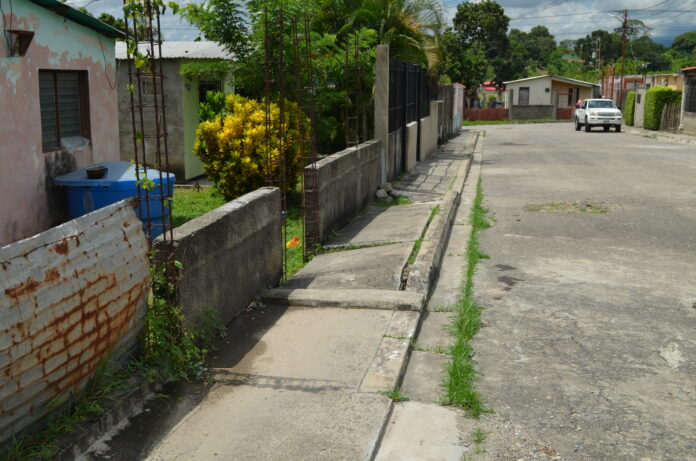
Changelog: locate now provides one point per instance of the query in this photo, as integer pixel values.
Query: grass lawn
(190, 203)
(294, 228)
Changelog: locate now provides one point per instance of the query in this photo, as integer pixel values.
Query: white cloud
(666, 18)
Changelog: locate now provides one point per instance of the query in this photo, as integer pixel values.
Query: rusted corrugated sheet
(67, 297)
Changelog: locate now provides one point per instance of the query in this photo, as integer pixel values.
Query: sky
(565, 19)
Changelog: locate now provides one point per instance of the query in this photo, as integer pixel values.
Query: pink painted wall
(27, 202)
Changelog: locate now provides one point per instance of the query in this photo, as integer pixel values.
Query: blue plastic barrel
(118, 183)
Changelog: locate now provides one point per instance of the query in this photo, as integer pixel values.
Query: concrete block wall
(229, 255)
(532, 112)
(347, 181)
(411, 145)
(68, 296)
(429, 130)
(639, 111)
(689, 123)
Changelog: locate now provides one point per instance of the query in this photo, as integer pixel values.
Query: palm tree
(411, 28)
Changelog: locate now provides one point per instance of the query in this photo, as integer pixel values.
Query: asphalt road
(588, 344)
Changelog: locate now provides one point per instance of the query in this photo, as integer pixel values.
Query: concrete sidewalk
(306, 375)
(678, 138)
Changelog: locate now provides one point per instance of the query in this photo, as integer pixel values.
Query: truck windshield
(601, 105)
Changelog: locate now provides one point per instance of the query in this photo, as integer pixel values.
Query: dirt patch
(583, 207)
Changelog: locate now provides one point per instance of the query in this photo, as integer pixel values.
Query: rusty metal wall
(67, 297)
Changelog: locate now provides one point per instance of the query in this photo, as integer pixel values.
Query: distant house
(637, 82)
(190, 70)
(488, 91)
(572, 58)
(58, 109)
(688, 106)
(546, 96)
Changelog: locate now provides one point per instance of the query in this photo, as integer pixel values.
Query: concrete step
(365, 298)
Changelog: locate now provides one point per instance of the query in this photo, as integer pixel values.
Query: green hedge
(655, 100)
(630, 107)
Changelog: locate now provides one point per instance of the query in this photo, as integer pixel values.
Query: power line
(598, 12)
(561, 15)
(549, 5)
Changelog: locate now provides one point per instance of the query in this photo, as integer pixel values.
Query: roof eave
(79, 17)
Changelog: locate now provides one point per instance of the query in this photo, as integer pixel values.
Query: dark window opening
(64, 101)
(524, 96)
(207, 85)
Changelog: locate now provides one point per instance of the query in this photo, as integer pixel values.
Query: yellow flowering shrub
(234, 150)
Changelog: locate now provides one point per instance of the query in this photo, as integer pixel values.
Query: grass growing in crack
(439, 349)
(396, 202)
(338, 249)
(395, 395)
(419, 242)
(583, 207)
(459, 379)
(479, 436)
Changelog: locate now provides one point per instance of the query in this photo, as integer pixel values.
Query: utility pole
(624, 27)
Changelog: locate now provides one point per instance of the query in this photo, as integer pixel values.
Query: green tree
(478, 35)
(118, 23)
(685, 43)
(221, 21)
(649, 54)
(411, 28)
(608, 45)
(540, 45)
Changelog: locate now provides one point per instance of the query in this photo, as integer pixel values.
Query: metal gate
(671, 114)
(410, 93)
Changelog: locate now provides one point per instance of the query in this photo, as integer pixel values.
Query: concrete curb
(662, 136)
(391, 361)
(75, 444)
(424, 270)
(389, 364)
(347, 298)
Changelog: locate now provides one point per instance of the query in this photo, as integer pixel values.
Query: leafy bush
(214, 105)
(630, 107)
(234, 150)
(655, 101)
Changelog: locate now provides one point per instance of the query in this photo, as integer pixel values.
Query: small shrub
(234, 151)
(214, 105)
(630, 108)
(655, 101)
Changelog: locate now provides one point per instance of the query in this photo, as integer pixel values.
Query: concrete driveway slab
(258, 423)
(403, 223)
(374, 267)
(338, 348)
(422, 432)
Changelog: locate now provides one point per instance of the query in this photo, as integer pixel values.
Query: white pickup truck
(598, 112)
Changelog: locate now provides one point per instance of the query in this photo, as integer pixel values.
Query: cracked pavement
(588, 343)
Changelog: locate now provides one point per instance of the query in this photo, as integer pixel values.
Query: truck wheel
(588, 127)
(577, 124)
(618, 128)
(606, 128)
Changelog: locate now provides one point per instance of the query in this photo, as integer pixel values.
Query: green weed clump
(460, 389)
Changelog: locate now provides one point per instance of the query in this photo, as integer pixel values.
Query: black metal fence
(410, 93)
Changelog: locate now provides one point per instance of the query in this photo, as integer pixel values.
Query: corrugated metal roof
(557, 78)
(175, 50)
